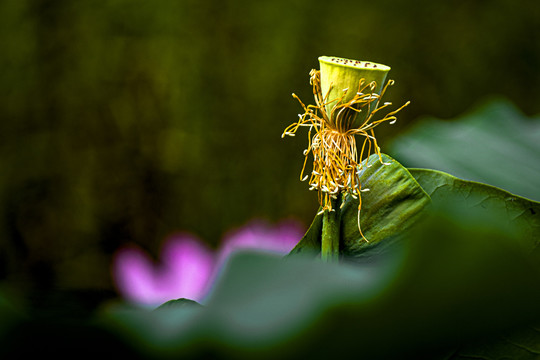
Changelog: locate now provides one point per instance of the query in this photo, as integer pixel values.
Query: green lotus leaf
(494, 144)
(392, 204)
(519, 215)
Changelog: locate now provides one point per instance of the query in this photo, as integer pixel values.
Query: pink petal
(189, 265)
(259, 235)
(184, 272)
(133, 275)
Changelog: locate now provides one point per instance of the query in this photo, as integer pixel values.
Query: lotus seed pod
(341, 79)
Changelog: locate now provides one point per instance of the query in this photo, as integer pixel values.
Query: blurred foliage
(123, 121)
(463, 282)
(441, 290)
(494, 144)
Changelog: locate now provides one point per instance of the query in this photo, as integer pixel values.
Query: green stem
(330, 233)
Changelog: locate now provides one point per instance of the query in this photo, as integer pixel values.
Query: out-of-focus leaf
(393, 203)
(260, 301)
(446, 285)
(463, 274)
(495, 144)
(178, 303)
(517, 214)
(442, 287)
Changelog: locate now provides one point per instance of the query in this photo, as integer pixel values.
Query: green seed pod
(343, 79)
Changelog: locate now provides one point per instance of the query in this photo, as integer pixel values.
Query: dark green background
(126, 121)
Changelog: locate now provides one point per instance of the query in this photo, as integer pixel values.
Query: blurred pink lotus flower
(188, 268)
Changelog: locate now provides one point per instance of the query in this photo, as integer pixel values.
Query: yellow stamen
(336, 164)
